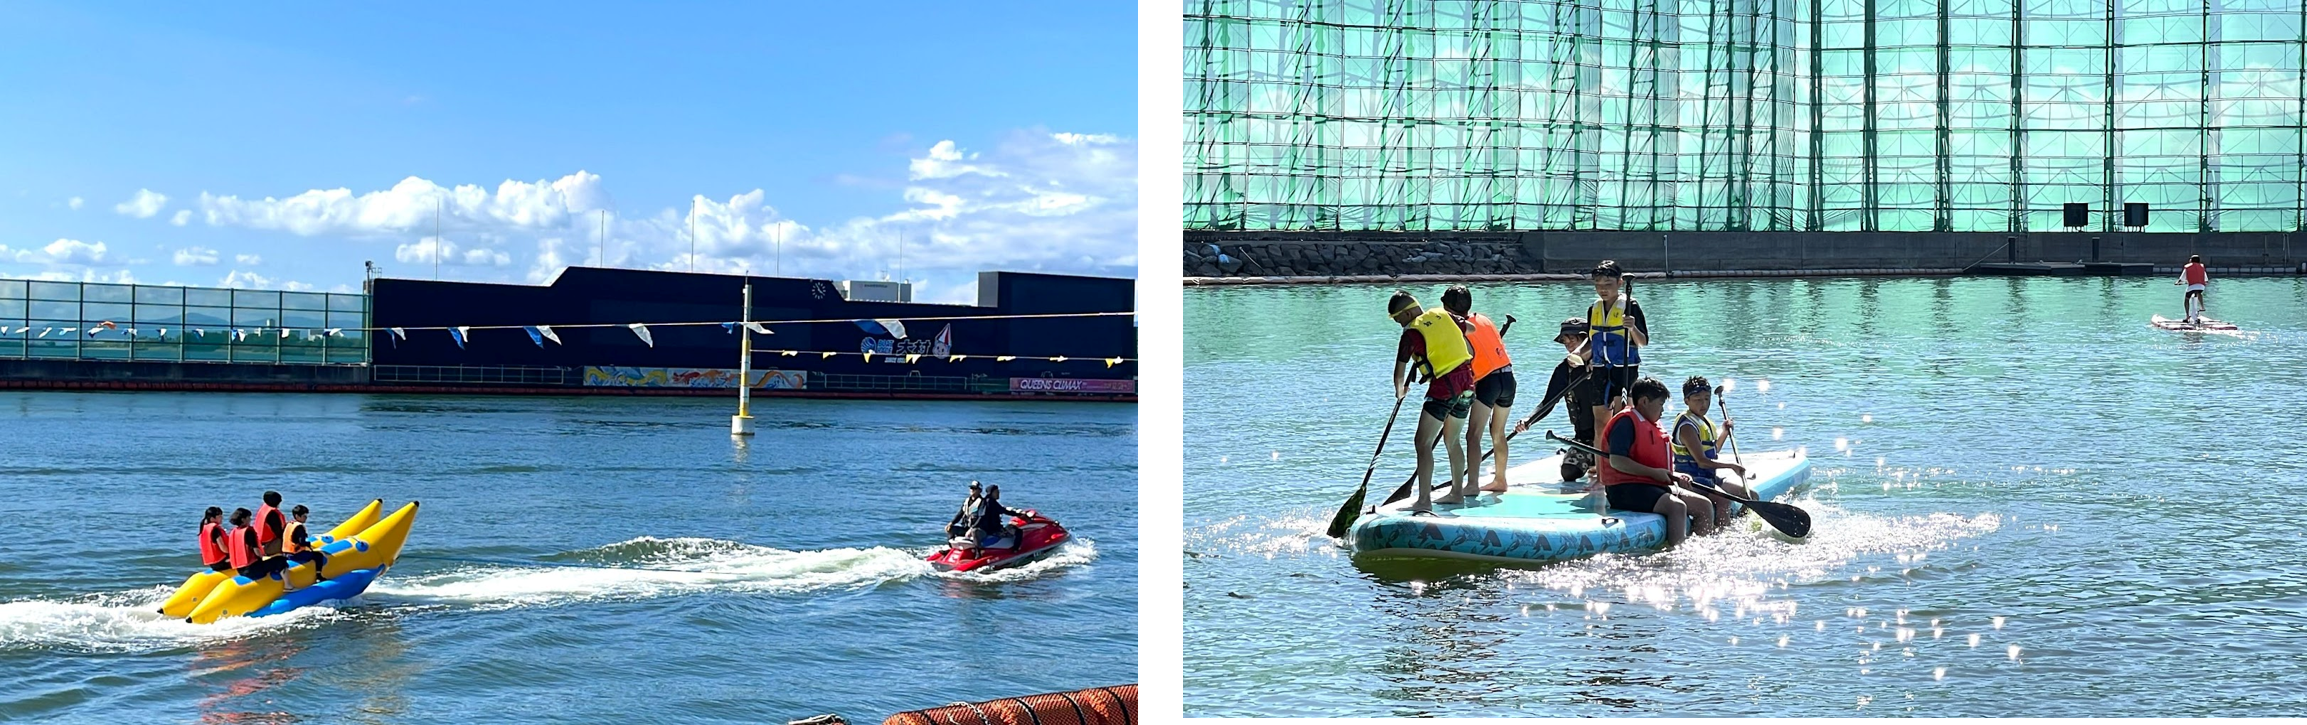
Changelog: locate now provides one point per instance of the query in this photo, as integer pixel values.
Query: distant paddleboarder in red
(2195, 278)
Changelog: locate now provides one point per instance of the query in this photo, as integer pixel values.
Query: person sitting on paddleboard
(1616, 333)
(246, 552)
(992, 518)
(299, 546)
(1697, 443)
(212, 539)
(1493, 384)
(1434, 346)
(961, 519)
(1637, 475)
(2195, 278)
(1566, 386)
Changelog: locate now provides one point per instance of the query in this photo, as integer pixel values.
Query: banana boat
(353, 562)
(199, 585)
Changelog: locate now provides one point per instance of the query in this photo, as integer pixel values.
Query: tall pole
(742, 423)
(693, 248)
(780, 251)
(601, 243)
(436, 240)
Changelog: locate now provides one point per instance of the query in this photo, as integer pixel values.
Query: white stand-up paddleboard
(2207, 325)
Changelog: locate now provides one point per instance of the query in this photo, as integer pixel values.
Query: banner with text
(631, 377)
(1071, 385)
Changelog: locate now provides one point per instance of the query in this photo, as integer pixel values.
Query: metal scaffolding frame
(1729, 115)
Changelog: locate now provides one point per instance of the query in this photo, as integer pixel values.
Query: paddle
(1787, 518)
(1725, 406)
(1353, 508)
(1544, 408)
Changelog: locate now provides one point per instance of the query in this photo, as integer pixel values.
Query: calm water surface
(576, 559)
(2028, 502)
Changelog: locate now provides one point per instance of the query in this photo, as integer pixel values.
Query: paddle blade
(1402, 491)
(1787, 518)
(1344, 519)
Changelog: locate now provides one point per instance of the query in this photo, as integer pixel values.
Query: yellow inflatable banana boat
(199, 585)
(353, 561)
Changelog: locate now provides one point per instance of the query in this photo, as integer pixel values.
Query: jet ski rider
(992, 518)
(963, 517)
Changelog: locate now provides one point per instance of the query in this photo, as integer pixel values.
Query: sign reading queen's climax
(1071, 385)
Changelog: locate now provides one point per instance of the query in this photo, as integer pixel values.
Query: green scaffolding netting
(1700, 115)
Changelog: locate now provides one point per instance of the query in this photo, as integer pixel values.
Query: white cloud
(190, 256)
(945, 161)
(75, 203)
(487, 258)
(120, 276)
(411, 205)
(61, 251)
(248, 260)
(183, 217)
(238, 279)
(549, 260)
(142, 206)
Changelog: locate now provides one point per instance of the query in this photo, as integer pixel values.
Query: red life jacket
(1650, 449)
(266, 535)
(211, 546)
(2196, 275)
(241, 543)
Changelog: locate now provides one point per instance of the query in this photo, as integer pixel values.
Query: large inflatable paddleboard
(1538, 520)
(2207, 325)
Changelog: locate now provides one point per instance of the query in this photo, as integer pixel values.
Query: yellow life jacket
(1685, 462)
(1612, 342)
(1446, 347)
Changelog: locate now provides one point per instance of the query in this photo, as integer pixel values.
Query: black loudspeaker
(2134, 214)
(2078, 215)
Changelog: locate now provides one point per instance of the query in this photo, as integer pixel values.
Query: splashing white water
(127, 621)
(649, 568)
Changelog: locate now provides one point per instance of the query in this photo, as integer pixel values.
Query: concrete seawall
(1345, 256)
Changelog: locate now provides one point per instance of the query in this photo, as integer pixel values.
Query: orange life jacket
(241, 543)
(1650, 449)
(266, 535)
(2196, 275)
(1489, 350)
(288, 538)
(211, 546)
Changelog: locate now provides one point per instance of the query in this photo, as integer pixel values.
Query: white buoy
(741, 424)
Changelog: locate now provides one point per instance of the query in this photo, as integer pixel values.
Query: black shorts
(221, 566)
(1605, 384)
(1496, 389)
(1457, 406)
(1641, 497)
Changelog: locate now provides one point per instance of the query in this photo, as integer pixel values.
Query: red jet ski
(1028, 539)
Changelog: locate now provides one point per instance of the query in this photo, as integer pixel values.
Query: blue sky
(292, 142)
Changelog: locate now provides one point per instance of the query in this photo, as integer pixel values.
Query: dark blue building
(935, 357)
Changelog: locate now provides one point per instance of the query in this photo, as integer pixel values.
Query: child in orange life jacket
(212, 539)
(1698, 444)
(1493, 384)
(245, 552)
(1433, 345)
(299, 545)
(270, 524)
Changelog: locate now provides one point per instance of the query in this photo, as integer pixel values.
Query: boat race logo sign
(898, 344)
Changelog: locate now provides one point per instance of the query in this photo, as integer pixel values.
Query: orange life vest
(211, 548)
(266, 535)
(1650, 449)
(1489, 350)
(242, 545)
(288, 538)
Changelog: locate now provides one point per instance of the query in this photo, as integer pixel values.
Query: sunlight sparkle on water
(1867, 418)
(1762, 386)
(2014, 651)
(1998, 623)
(1974, 639)
(1778, 434)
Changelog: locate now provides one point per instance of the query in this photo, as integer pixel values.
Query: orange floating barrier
(1115, 705)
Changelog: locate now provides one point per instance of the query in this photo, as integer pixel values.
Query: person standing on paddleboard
(1493, 383)
(1616, 333)
(2195, 277)
(1433, 346)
